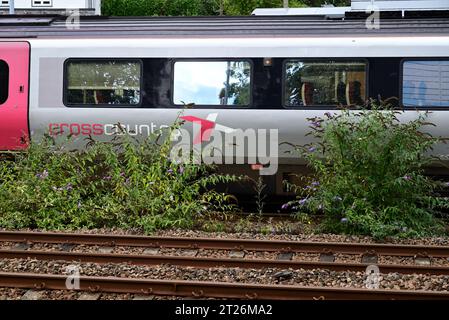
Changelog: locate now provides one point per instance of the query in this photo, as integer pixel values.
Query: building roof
(55, 26)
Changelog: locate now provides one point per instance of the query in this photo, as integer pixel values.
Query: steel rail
(203, 262)
(226, 244)
(200, 289)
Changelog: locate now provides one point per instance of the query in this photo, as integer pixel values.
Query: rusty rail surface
(199, 289)
(202, 262)
(226, 244)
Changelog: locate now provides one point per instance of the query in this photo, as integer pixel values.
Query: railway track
(202, 289)
(226, 244)
(214, 289)
(204, 262)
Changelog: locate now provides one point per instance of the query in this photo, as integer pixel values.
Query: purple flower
(284, 206)
(122, 174)
(170, 171)
(42, 175)
(302, 201)
(107, 178)
(344, 220)
(407, 178)
(69, 187)
(181, 170)
(315, 183)
(312, 149)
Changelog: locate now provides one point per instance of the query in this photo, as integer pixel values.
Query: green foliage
(369, 174)
(160, 7)
(214, 226)
(239, 89)
(245, 7)
(259, 189)
(200, 7)
(123, 183)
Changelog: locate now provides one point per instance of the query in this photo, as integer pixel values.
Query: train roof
(248, 26)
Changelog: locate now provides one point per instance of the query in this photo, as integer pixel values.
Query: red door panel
(14, 70)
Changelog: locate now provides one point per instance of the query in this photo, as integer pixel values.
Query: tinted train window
(4, 81)
(212, 83)
(325, 83)
(103, 82)
(425, 83)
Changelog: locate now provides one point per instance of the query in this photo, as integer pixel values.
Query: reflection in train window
(212, 83)
(103, 82)
(325, 83)
(425, 83)
(4, 81)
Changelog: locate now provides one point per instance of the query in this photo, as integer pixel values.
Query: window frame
(212, 106)
(320, 107)
(401, 84)
(8, 82)
(100, 106)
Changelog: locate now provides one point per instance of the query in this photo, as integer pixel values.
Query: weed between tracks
(369, 174)
(123, 183)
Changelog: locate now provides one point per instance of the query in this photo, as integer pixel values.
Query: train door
(14, 66)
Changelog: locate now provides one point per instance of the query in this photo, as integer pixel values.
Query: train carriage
(249, 73)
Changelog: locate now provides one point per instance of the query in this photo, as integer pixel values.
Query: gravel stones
(300, 236)
(32, 295)
(422, 261)
(89, 296)
(327, 257)
(151, 251)
(106, 250)
(285, 256)
(283, 275)
(237, 254)
(22, 246)
(300, 277)
(370, 258)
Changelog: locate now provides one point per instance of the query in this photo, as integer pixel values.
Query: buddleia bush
(369, 174)
(122, 183)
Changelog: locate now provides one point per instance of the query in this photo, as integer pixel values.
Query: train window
(225, 83)
(103, 82)
(4, 81)
(325, 83)
(425, 83)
